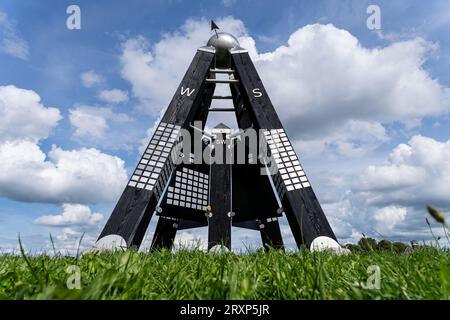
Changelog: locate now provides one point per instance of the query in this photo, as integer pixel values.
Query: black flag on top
(214, 25)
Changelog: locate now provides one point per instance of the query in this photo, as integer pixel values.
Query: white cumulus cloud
(388, 200)
(92, 122)
(27, 173)
(73, 215)
(388, 217)
(416, 173)
(77, 176)
(356, 138)
(330, 79)
(23, 116)
(114, 96)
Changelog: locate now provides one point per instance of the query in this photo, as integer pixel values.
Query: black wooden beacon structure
(218, 194)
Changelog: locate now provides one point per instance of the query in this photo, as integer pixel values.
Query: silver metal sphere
(223, 41)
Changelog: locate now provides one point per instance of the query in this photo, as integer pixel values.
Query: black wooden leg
(219, 223)
(165, 233)
(271, 235)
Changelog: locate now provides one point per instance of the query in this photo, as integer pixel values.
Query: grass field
(187, 274)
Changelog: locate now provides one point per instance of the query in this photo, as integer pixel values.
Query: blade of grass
(27, 261)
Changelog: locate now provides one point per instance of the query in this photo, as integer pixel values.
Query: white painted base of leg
(109, 243)
(219, 249)
(327, 244)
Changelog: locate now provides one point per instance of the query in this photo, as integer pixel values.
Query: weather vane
(214, 27)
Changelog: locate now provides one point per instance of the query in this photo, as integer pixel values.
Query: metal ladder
(231, 79)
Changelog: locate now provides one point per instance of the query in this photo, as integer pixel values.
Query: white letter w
(189, 92)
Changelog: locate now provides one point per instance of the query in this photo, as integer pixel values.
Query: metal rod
(222, 97)
(200, 130)
(221, 81)
(221, 70)
(221, 109)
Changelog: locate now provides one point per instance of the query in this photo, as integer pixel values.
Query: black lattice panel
(154, 162)
(189, 190)
(286, 160)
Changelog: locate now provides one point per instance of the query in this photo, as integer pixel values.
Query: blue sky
(362, 143)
